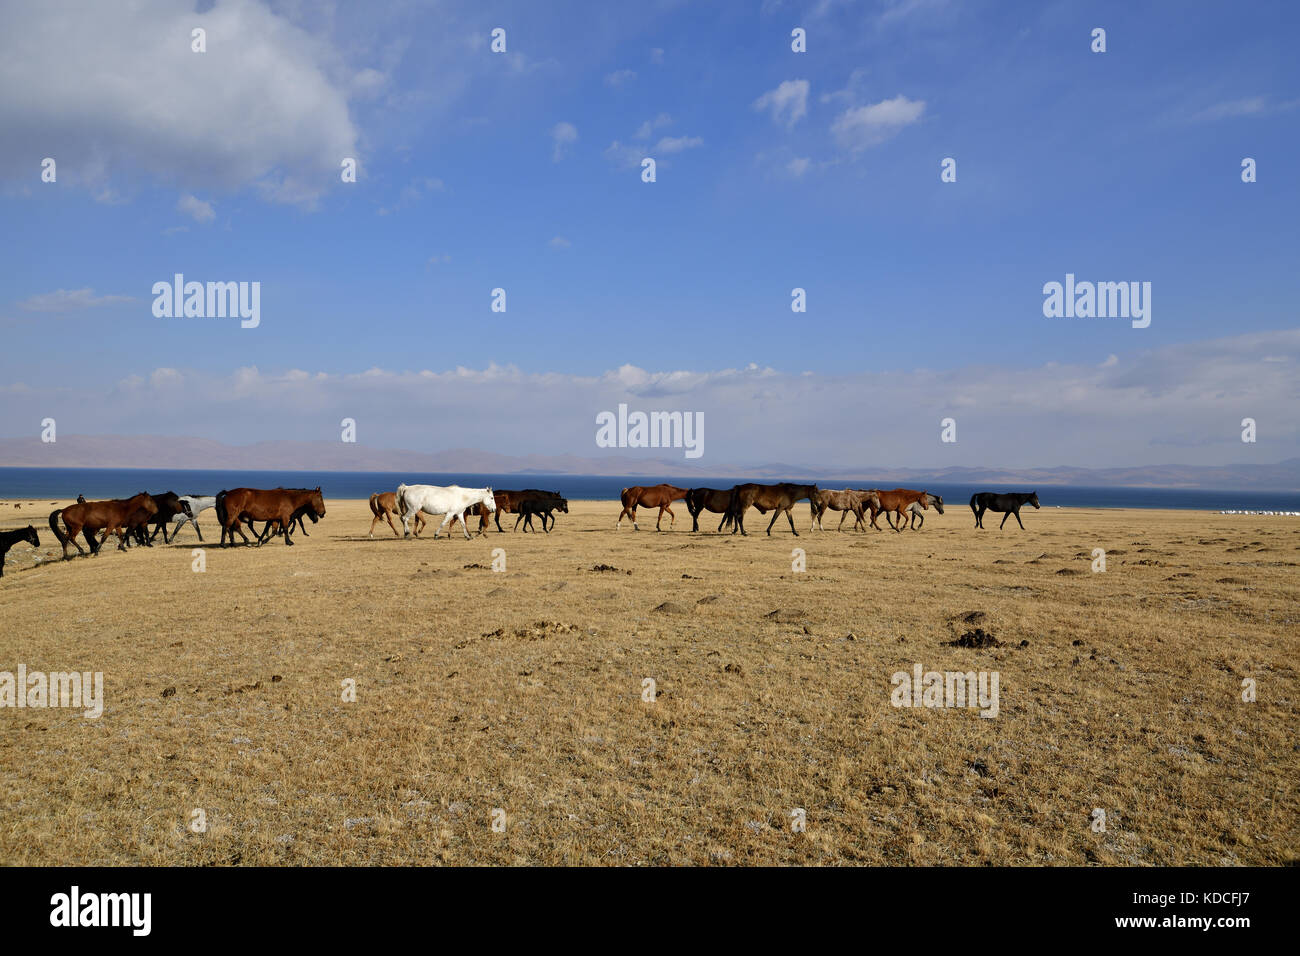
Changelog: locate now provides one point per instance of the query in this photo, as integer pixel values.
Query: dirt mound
(672, 607)
(976, 638)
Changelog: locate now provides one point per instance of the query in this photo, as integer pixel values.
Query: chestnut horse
(91, 517)
(652, 496)
(383, 505)
(775, 498)
(255, 504)
(895, 503)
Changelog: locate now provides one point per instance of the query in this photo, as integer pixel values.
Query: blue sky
(776, 170)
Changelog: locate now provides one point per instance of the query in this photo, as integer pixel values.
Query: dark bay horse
(169, 506)
(1010, 503)
(775, 498)
(256, 504)
(652, 496)
(699, 500)
(90, 517)
(10, 538)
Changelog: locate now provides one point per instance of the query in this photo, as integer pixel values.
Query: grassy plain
(522, 690)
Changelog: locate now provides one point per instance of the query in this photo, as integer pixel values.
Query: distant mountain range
(163, 452)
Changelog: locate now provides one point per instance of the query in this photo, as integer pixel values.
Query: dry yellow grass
(1127, 696)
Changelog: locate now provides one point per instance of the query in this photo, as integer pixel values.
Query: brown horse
(846, 502)
(895, 503)
(384, 505)
(652, 496)
(699, 500)
(133, 528)
(775, 498)
(90, 517)
(255, 504)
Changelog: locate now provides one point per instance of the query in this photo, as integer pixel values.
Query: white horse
(451, 500)
(193, 505)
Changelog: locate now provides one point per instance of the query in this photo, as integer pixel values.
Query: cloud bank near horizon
(1181, 403)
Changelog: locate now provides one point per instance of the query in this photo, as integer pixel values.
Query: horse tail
(220, 506)
(401, 500)
(374, 504)
(973, 499)
(54, 526)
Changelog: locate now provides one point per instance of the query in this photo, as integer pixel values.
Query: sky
(775, 170)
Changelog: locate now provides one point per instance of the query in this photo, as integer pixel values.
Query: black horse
(10, 538)
(539, 503)
(1010, 503)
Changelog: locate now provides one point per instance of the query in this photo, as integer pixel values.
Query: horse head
(1033, 499)
(564, 505)
(937, 501)
(318, 503)
(488, 500)
(30, 535)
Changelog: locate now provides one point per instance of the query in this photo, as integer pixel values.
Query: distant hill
(168, 452)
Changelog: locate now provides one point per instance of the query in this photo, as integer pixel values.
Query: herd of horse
(901, 506)
(142, 517)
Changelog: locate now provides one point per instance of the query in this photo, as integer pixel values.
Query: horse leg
(1018, 521)
(789, 516)
(73, 531)
(1004, 519)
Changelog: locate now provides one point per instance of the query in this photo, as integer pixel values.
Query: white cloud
(798, 166)
(115, 95)
(788, 103)
(414, 191)
(625, 155)
(675, 144)
(645, 130)
(199, 210)
(559, 242)
(65, 300)
(619, 77)
(1255, 106)
(563, 135)
(656, 54)
(862, 127)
